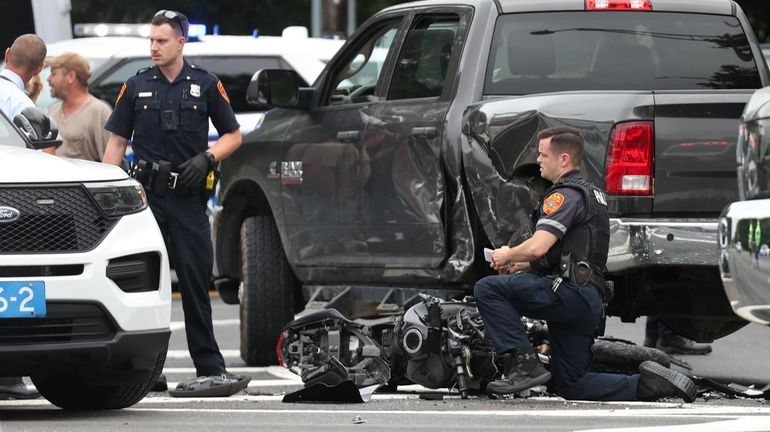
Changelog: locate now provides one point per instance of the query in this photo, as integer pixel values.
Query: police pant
(187, 233)
(572, 314)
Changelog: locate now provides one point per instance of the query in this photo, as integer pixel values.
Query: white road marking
(179, 325)
(184, 354)
(740, 424)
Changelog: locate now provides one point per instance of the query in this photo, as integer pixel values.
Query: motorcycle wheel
(618, 356)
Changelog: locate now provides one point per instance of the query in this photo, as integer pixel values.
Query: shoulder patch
(120, 95)
(553, 203)
(222, 91)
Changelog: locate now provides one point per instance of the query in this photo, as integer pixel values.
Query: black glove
(193, 171)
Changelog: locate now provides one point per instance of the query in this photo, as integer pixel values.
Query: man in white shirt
(23, 60)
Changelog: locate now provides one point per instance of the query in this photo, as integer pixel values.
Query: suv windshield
(545, 52)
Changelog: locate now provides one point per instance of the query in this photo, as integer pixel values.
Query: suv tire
(267, 297)
(75, 393)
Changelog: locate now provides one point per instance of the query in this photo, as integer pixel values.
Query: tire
(619, 356)
(267, 298)
(73, 392)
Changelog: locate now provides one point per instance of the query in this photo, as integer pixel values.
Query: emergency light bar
(619, 5)
(140, 30)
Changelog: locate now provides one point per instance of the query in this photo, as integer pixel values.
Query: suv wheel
(76, 393)
(267, 299)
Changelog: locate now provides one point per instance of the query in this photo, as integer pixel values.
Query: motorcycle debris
(431, 396)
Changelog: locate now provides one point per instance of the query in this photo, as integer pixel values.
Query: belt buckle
(172, 177)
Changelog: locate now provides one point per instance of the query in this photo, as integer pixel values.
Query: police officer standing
(556, 275)
(166, 108)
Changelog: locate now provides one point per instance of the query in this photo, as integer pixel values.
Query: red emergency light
(614, 5)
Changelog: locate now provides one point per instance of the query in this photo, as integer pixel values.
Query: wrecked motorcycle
(436, 343)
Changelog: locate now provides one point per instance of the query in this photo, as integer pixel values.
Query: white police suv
(85, 296)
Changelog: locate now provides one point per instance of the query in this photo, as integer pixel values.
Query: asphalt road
(742, 356)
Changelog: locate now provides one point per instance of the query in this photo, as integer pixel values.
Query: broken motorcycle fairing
(435, 343)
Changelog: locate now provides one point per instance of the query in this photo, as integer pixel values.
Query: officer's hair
(160, 20)
(28, 52)
(565, 140)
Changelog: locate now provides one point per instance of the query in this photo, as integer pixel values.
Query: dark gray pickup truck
(416, 148)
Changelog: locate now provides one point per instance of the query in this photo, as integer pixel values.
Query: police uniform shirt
(13, 98)
(561, 209)
(195, 95)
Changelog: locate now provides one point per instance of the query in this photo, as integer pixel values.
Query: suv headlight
(118, 198)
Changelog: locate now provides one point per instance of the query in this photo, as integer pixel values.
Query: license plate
(22, 299)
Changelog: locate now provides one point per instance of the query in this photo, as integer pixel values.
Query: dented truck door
(403, 201)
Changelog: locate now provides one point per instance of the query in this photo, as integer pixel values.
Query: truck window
(545, 52)
(356, 80)
(422, 63)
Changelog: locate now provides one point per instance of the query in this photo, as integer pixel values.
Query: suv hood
(22, 165)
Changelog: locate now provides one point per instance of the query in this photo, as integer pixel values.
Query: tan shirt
(82, 133)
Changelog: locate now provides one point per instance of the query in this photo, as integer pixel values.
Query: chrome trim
(745, 270)
(636, 243)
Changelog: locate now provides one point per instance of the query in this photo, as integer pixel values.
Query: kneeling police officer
(556, 275)
(166, 108)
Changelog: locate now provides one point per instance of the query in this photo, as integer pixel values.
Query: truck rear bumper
(638, 243)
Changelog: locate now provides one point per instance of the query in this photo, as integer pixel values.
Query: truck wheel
(267, 299)
(78, 391)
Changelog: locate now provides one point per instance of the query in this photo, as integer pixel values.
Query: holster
(581, 273)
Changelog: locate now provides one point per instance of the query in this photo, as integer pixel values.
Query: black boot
(522, 371)
(656, 381)
(671, 343)
(14, 388)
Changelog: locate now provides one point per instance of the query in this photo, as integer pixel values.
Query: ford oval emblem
(8, 214)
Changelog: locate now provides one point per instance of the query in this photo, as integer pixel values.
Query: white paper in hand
(488, 254)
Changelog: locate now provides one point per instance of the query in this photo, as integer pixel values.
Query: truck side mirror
(38, 129)
(274, 88)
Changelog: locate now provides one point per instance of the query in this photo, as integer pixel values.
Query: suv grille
(63, 323)
(52, 219)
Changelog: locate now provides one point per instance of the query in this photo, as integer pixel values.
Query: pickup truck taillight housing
(629, 164)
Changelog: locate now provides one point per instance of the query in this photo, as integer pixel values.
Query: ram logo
(8, 214)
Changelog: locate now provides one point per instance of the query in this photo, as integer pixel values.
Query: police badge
(195, 90)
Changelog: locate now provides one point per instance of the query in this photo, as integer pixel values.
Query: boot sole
(520, 386)
(683, 386)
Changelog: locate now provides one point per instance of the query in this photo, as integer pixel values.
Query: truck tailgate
(695, 138)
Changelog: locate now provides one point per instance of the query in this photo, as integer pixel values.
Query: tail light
(279, 351)
(628, 169)
(618, 5)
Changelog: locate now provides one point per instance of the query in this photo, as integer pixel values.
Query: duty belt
(156, 177)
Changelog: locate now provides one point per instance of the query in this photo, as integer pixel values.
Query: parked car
(745, 269)
(85, 295)
(416, 148)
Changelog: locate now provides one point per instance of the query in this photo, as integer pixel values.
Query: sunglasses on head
(173, 16)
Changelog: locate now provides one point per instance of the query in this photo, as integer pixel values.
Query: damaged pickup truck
(416, 148)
